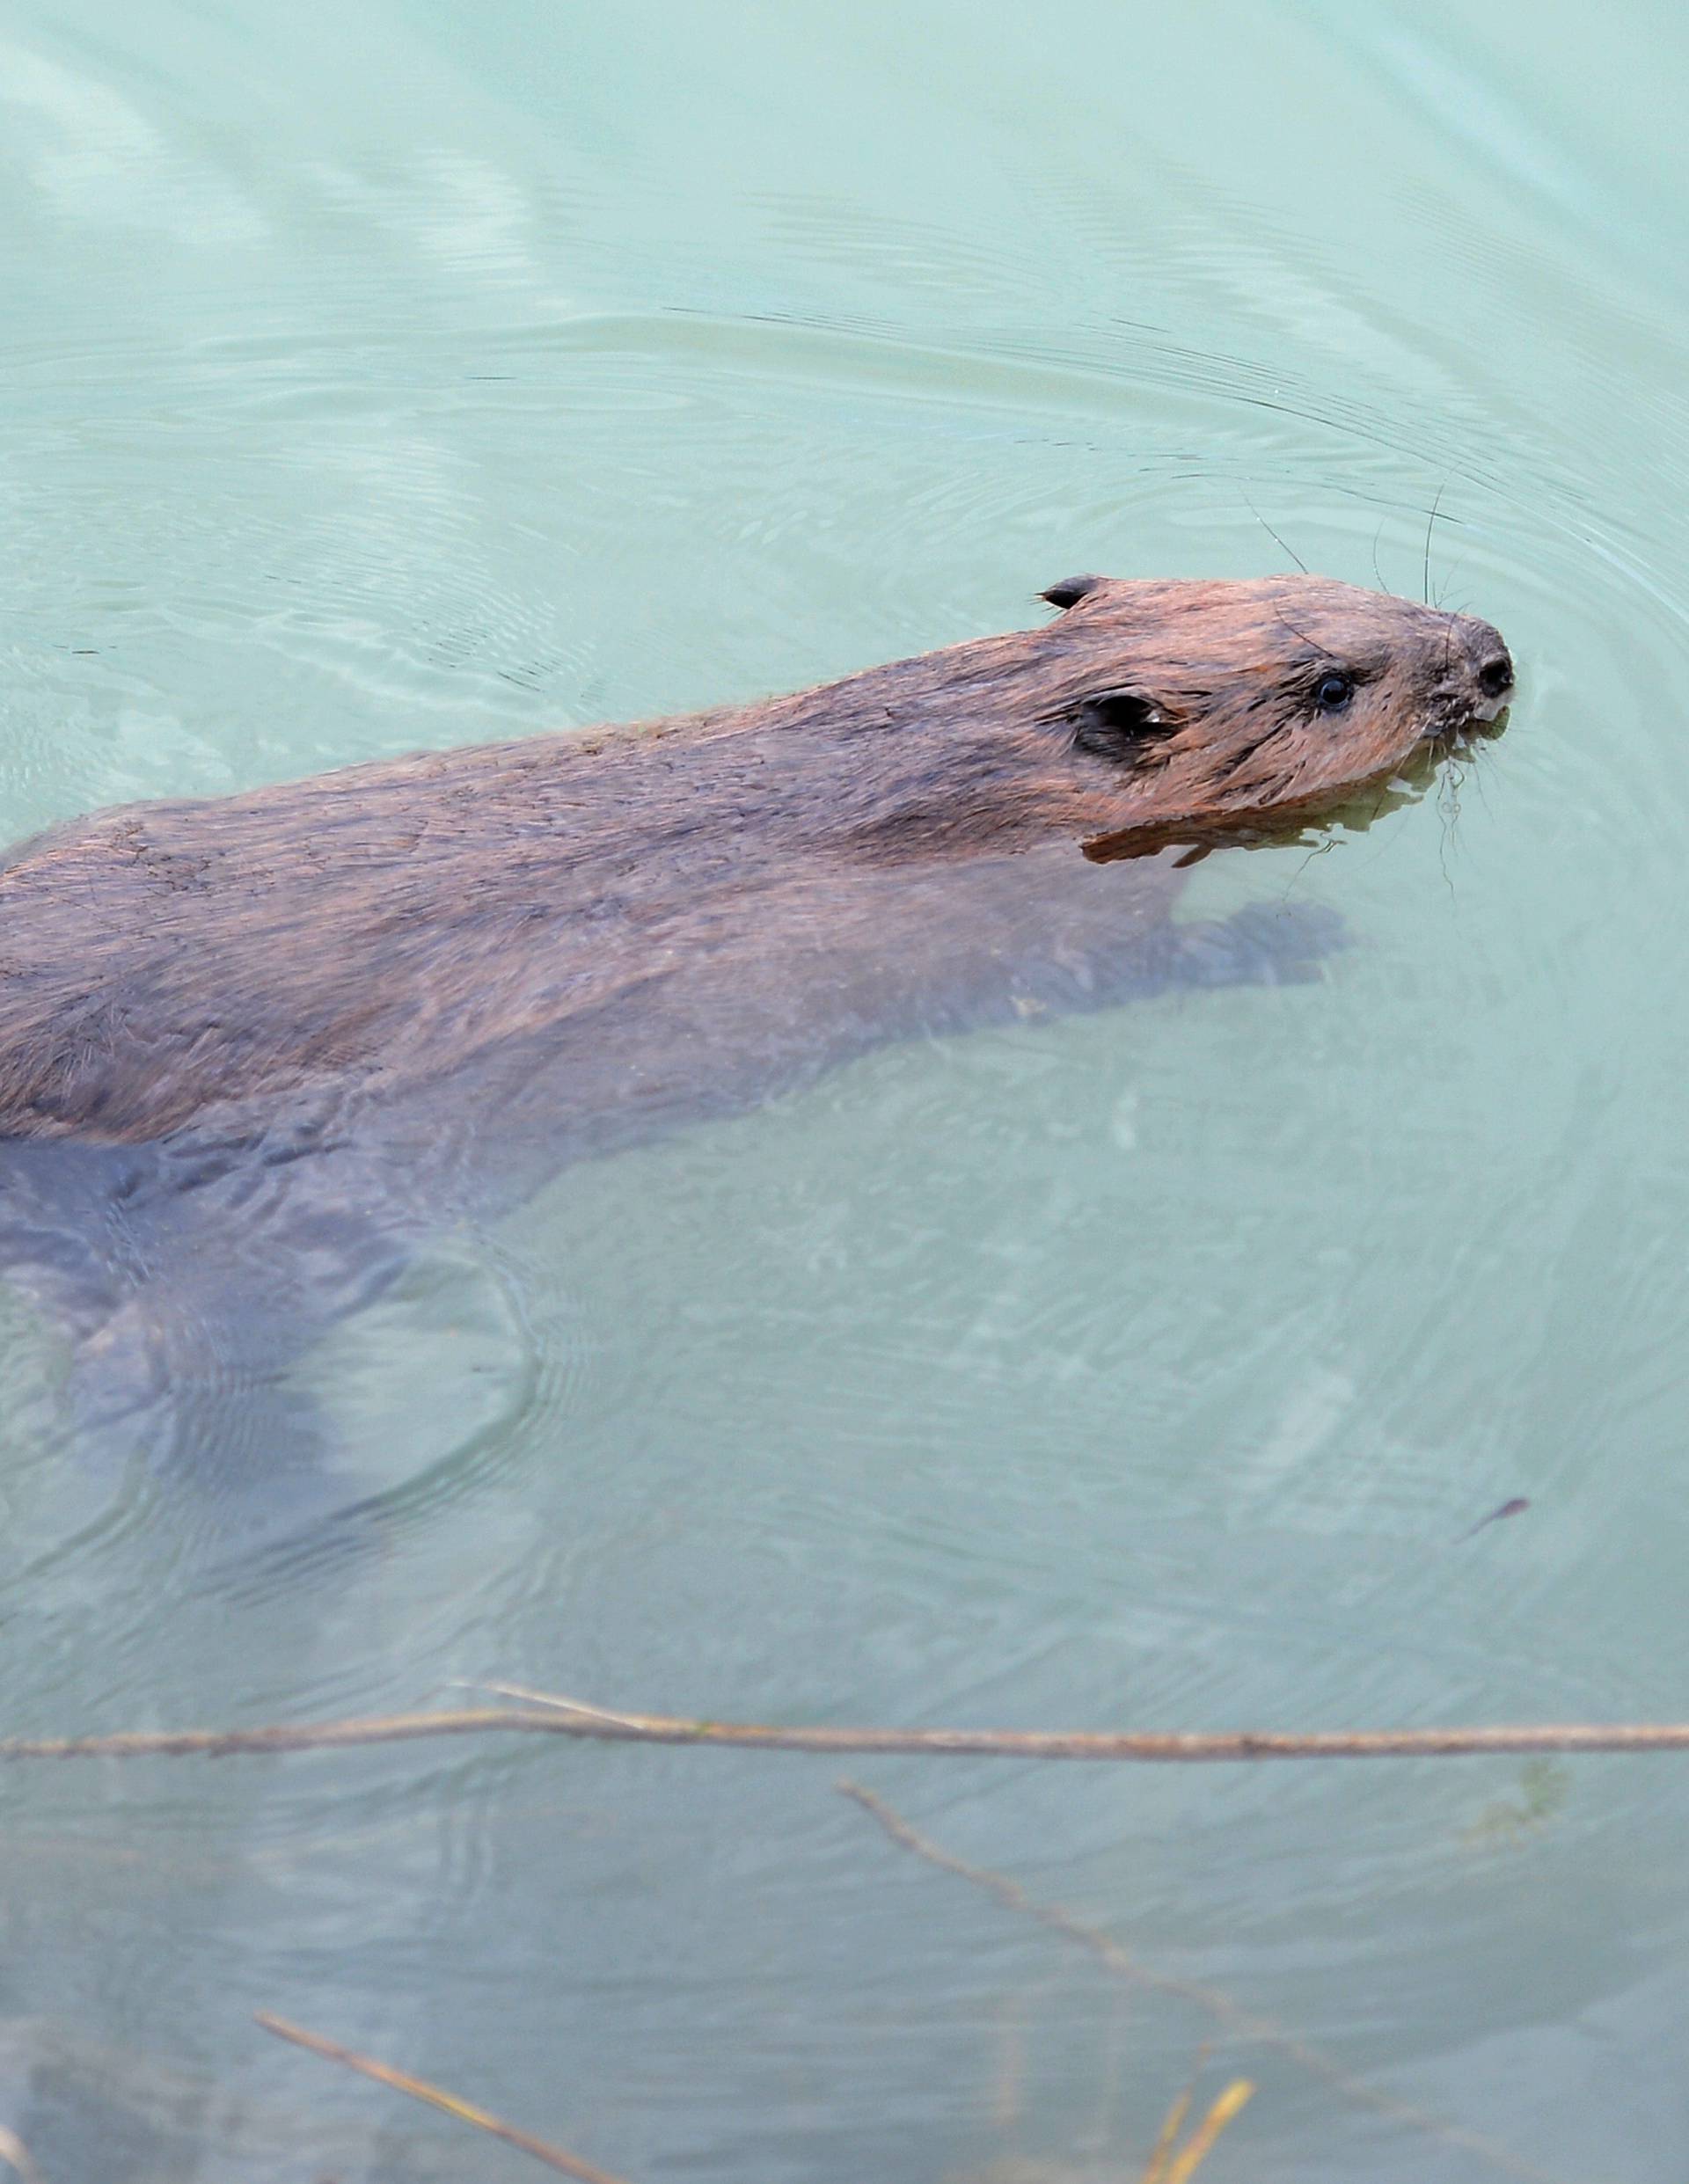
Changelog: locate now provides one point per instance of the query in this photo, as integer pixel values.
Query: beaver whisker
(1429, 526)
(1272, 534)
(1313, 642)
(1450, 782)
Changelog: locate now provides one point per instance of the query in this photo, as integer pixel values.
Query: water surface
(403, 376)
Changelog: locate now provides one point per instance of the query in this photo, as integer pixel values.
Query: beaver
(439, 977)
(822, 861)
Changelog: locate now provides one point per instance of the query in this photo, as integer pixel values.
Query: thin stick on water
(572, 1718)
(556, 2158)
(567, 1706)
(1245, 2024)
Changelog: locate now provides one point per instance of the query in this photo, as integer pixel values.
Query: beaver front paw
(1264, 943)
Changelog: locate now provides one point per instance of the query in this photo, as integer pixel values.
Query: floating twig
(1516, 1506)
(1246, 2025)
(565, 1706)
(419, 2088)
(546, 1716)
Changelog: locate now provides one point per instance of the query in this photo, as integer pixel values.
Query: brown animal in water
(441, 977)
(374, 931)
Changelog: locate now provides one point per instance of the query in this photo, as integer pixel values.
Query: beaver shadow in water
(252, 1050)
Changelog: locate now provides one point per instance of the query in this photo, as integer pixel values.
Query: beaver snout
(1489, 667)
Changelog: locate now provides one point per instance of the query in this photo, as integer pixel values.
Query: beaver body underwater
(483, 962)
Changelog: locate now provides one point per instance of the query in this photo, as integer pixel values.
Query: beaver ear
(1071, 589)
(1117, 724)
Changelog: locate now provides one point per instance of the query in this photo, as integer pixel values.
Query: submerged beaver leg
(188, 1307)
(1264, 943)
(163, 1384)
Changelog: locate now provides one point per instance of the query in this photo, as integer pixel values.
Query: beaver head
(1198, 708)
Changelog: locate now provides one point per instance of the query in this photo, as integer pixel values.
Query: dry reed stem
(550, 1716)
(1246, 2025)
(1171, 2124)
(554, 2156)
(15, 2154)
(1199, 2144)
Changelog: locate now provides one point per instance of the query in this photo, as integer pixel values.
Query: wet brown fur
(389, 926)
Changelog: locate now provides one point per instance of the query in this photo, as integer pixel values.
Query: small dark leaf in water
(1507, 1508)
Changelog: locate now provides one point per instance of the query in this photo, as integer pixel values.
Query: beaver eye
(1332, 692)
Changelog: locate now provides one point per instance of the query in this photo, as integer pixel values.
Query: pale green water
(398, 375)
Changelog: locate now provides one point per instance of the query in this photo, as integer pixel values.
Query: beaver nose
(1490, 664)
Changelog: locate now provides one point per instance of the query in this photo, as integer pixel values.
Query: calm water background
(398, 375)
